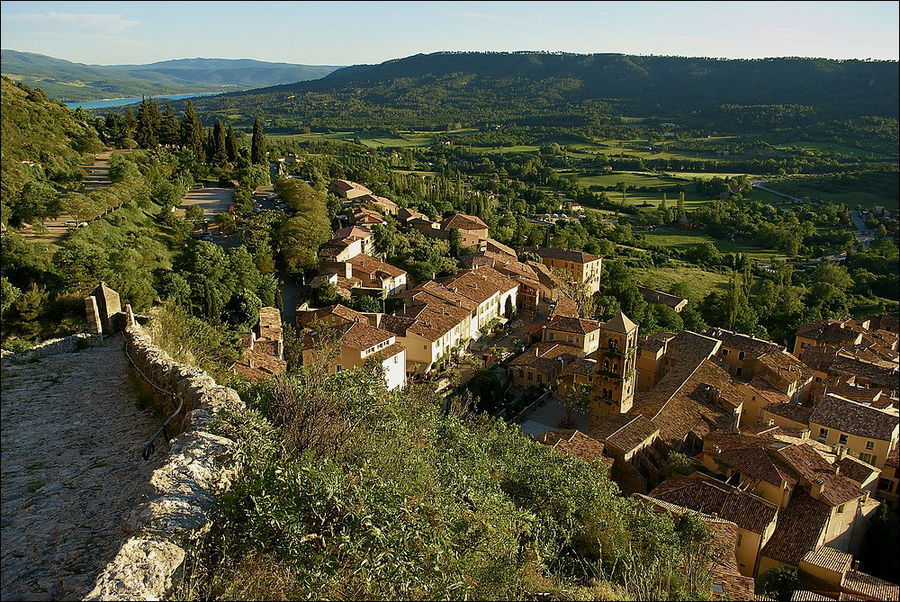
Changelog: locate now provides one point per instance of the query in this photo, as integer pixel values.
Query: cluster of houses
(785, 456)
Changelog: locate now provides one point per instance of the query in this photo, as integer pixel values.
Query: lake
(118, 102)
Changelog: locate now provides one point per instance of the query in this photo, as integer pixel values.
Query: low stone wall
(200, 464)
(52, 347)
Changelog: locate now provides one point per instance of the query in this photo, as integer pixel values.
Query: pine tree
(257, 145)
(144, 132)
(168, 128)
(679, 208)
(231, 148)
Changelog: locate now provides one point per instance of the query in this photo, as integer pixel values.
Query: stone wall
(200, 464)
(52, 347)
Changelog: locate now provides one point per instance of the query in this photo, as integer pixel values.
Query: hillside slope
(66, 80)
(43, 141)
(568, 89)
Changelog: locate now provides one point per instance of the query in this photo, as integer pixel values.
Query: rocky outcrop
(201, 463)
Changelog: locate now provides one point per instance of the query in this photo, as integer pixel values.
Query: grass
(685, 239)
(700, 281)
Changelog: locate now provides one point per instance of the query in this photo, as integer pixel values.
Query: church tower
(616, 373)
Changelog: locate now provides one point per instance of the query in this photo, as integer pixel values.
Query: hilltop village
(786, 454)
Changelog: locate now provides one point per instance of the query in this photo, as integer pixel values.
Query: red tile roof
(709, 496)
(573, 325)
(872, 588)
(854, 418)
(565, 254)
(799, 529)
(574, 442)
(463, 222)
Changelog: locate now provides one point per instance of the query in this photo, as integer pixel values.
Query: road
(762, 186)
(97, 177)
(863, 234)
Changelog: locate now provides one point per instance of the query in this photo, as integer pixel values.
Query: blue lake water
(118, 102)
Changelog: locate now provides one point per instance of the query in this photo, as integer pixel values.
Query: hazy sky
(341, 33)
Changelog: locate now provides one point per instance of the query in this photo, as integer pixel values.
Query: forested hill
(66, 80)
(567, 89)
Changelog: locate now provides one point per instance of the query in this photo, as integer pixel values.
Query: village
(786, 454)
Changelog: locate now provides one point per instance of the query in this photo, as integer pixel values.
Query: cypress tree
(231, 148)
(168, 128)
(257, 145)
(192, 132)
(220, 155)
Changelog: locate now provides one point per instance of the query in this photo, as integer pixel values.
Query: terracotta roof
(799, 529)
(498, 247)
(656, 341)
(791, 411)
(620, 323)
(750, 345)
(433, 292)
(406, 214)
(583, 365)
(892, 458)
(463, 222)
(625, 432)
(362, 336)
(352, 233)
(574, 442)
(545, 276)
(654, 296)
(856, 470)
(378, 200)
(479, 284)
(709, 496)
(829, 559)
(547, 357)
(814, 469)
(347, 185)
(805, 595)
(854, 418)
(430, 319)
(831, 331)
(565, 254)
(323, 315)
(702, 403)
(857, 582)
(389, 351)
(371, 266)
(751, 456)
(263, 365)
(573, 325)
(565, 306)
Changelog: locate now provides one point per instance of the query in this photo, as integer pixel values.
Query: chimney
(250, 362)
(837, 468)
(816, 489)
(841, 452)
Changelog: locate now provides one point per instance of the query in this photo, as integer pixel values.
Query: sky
(343, 33)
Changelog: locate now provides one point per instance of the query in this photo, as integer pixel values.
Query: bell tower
(616, 375)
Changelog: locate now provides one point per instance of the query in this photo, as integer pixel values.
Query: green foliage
(352, 492)
(779, 583)
(43, 144)
(193, 341)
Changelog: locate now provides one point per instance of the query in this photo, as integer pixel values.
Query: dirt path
(71, 468)
(97, 177)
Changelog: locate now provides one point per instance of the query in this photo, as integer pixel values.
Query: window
(724, 352)
(530, 376)
(739, 371)
(818, 379)
(741, 355)
(868, 458)
(338, 368)
(740, 538)
(842, 439)
(870, 445)
(840, 508)
(823, 433)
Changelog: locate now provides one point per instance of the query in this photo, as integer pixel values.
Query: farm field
(663, 278)
(685, 239)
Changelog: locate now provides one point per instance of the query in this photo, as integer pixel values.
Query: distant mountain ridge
(430, 90)
(65, 80)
